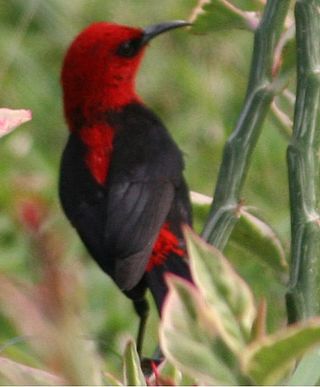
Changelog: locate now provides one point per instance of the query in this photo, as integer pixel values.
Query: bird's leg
(147, 364)
(142, 309)
(158, 356)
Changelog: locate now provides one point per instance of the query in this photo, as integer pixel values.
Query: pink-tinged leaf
(55, 332)
(190, 336)
(19, 374)
(10, 119)
(225, 292)
(268, 360)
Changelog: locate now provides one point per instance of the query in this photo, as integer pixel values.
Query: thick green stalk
(239, 147)
(303, 298)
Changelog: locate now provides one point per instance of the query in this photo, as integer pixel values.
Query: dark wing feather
(132, 225)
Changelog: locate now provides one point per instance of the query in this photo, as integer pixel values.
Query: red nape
(98, 139)
(166, 243)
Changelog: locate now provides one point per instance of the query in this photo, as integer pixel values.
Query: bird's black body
(121, 183)
(119, 221)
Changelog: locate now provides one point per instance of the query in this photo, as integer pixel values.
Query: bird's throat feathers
(82, 109)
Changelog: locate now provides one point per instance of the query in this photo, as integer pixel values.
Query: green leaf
(223, 289)
(133, 375)
(220, 15)
(258, 238)
(110, 380)
(15, 373)
(307, 372)
(189, 335)
(250, 233)
(267, 361)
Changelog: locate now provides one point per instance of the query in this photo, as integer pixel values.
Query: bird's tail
(175, 264)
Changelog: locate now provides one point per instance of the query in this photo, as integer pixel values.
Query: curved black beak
(157, 29)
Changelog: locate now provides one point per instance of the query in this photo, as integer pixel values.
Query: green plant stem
(239, 147)
(303, 297)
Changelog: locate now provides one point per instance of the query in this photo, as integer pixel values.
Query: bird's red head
(100, 68)
(95, 76)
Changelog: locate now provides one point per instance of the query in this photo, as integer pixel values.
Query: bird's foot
(150, 366)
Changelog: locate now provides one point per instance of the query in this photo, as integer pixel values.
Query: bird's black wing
(135, 212)
(145, 171)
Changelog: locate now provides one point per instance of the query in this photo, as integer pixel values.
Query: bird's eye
(129, 48)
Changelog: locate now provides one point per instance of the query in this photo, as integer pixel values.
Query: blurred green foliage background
(195, 83)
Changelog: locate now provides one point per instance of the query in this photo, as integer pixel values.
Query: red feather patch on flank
(99, 142)
(166, 243)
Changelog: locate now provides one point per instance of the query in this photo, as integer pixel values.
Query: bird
(121, 182)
